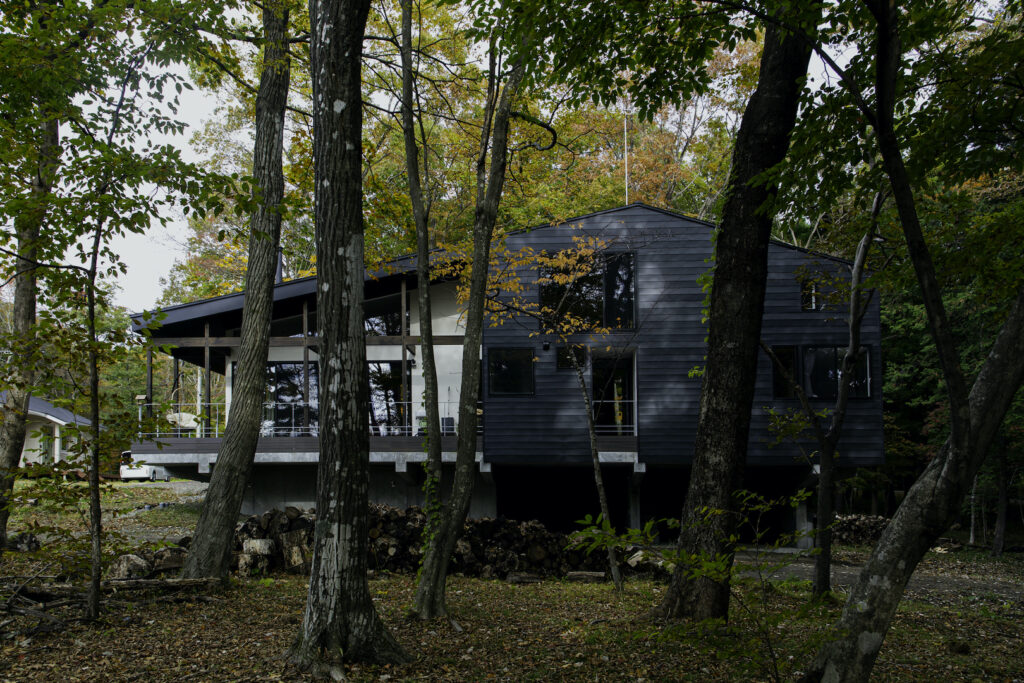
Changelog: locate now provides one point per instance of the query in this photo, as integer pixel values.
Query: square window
(510, 372)
(601, 294)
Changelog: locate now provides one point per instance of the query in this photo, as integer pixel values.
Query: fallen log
(158, 583)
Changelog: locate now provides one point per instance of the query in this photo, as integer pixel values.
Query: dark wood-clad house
(533, 447)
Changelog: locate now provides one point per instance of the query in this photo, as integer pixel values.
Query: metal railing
(409, 418)
(290, 420)
(615, 418)
(298, 419)
(194, 420)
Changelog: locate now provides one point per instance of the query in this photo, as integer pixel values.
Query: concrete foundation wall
(274, 486)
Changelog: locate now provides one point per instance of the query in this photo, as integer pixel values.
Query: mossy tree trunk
(737, 302)
(210, 551)
(23, 344)
(430, 590)
(340, 621)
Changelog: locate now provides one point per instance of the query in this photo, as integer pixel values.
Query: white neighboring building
(48, 439)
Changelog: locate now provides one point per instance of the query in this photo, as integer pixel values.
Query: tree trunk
(928, 509)
(935, 498)
(595, 457)
(829, 444)
(430, 591)
(421, 215)
(210, 552)
(999, 537)
(974, 509)
(92, 601)
(737, 301)
(23, 343)
(340, 621)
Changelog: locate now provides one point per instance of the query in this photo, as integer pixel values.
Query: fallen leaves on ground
(545, 631)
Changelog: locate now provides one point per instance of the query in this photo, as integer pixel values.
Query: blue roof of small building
(41, 406)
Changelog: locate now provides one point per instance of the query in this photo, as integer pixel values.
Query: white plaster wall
(31, 453)
(448, 320)
(448, 357)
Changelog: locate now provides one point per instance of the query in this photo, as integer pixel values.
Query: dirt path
(936, 579)
(181, 487)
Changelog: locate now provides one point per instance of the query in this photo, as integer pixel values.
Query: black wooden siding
(549, 428)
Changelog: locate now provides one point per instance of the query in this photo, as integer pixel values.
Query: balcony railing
(615, 418)
(299, 419)
(195, 420)
(409, 418)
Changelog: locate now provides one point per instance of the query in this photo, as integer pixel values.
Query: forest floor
(962, 620)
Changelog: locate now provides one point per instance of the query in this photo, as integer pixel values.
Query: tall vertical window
(619, 291)
(808, 295)
(388, 414)
(288, 411)
(614, 405)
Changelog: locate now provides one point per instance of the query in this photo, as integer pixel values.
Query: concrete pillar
(57, 446)
(804, 527)
(639, 469)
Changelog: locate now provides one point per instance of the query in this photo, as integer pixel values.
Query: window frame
(601, 272)
(491, 351)
(811, 297)
(800, 371)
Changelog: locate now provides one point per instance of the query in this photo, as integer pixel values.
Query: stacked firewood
(858, 529)
(283, 540)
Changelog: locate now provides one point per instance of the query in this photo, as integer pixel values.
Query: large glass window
(576, 295)
(823, 370)
(818, 369)
(388, 414)
(288, 411)
(383, 324)
(604, 296)
(614, 406)
(383, 317)
(619, 291)
(510, 372)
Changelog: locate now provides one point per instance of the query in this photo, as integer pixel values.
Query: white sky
(150, 256)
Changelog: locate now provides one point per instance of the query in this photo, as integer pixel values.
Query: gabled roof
(40, 407)
(673, 214)
(184, 319)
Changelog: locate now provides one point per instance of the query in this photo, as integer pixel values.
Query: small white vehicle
(134, 470)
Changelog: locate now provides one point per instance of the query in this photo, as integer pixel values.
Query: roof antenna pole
(625, 143)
